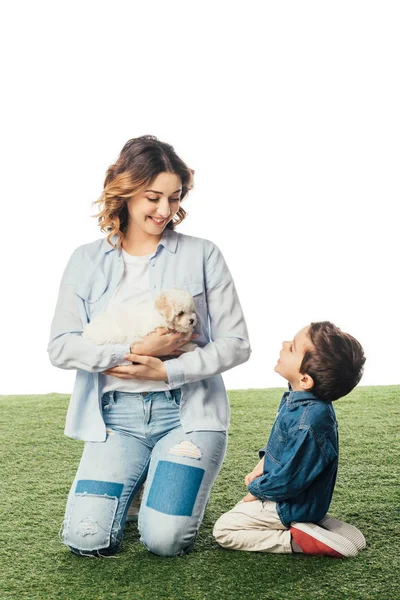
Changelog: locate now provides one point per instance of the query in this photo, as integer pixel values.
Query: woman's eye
(157, 199)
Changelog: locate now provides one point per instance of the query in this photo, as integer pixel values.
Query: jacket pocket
(196, 290)
(276, 445)
(91, 292)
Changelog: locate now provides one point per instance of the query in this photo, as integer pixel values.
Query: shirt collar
(169, 241)
(106, 245)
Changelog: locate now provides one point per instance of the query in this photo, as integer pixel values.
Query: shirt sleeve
(303, 460)
(229, 344)
(67, 349)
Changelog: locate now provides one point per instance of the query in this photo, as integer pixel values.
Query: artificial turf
(38, 465)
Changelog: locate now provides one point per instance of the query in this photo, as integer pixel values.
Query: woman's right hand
(162, 342)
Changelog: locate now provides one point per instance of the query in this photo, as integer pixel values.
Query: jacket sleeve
(67, 349)
(303, 460)
(229, 344)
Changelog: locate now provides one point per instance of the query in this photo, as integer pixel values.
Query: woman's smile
(157, 221)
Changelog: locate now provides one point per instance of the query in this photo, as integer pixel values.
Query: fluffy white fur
(127, 324)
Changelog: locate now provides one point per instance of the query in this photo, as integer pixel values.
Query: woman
(143, 418)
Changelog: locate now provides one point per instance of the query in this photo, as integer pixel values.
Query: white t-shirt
(134, 287)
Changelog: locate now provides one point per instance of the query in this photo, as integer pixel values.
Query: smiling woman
(138, 177)
(144, 418)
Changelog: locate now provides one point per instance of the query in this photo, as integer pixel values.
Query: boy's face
(290, 359)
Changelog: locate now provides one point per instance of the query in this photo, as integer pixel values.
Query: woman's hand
(161, 342)
(145, 367)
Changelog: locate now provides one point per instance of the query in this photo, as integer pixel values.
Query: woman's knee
(97, 553)
(90, 525)
(92, 539)
(168, 540)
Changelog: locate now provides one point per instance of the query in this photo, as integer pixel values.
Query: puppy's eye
(181, 313)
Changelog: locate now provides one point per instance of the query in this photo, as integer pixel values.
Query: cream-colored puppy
(127, 324)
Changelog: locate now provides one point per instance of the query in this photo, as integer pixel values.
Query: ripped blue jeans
(145, 441)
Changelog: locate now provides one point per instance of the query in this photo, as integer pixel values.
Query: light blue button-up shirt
(180, 261)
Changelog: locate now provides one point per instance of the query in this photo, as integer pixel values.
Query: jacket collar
(169, 241)
(292, 396)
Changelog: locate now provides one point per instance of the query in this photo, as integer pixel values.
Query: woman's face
(152, 209)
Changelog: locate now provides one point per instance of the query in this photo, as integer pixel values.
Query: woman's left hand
(147, 367)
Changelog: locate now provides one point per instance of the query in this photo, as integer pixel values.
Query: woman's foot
(309, 538)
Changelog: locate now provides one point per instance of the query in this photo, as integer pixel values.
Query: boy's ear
(306, 382)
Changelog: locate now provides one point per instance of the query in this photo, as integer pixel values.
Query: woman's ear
(306, 382)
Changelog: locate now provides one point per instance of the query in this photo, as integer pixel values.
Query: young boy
(290, 489)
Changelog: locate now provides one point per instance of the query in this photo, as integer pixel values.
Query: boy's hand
(250, 476)
(256, 472)
(249, 498)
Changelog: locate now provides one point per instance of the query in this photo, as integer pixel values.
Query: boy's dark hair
(335, 363)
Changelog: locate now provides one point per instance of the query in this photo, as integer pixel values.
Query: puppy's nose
(191, 321)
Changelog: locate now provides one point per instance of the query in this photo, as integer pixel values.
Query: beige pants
(253, 526)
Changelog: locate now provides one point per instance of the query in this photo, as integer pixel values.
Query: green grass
(38, 464)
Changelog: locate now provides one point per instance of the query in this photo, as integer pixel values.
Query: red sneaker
(313, 539)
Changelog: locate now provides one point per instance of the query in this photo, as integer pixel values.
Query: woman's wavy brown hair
(139, 163)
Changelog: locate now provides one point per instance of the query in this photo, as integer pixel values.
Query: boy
(290, 489)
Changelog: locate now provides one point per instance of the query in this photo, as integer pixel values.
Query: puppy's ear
(165, 306)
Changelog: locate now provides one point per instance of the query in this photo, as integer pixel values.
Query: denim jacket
(180, 261)
(301, 459)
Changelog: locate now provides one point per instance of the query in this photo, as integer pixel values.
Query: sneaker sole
(331, 539)
(344, 529)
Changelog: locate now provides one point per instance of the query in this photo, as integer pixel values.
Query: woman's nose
(163, 209)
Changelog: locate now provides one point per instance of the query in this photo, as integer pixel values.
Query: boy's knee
(224, 528)
(220, 529)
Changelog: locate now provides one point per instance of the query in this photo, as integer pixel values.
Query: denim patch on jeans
(186, 482)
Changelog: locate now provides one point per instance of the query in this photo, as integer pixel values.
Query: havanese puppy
(127, 324)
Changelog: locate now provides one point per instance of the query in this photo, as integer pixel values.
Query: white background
(287, 111)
